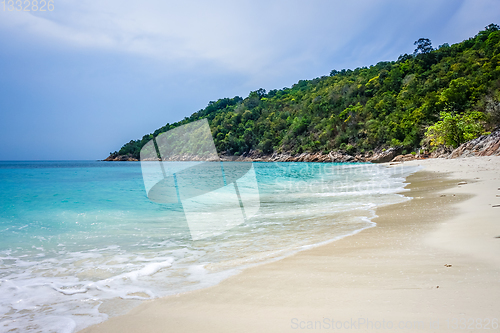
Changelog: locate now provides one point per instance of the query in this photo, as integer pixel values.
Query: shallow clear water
(81, 240)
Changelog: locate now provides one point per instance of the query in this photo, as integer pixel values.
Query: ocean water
(81, 241)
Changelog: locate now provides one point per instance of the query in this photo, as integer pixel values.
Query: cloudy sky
(79, 81)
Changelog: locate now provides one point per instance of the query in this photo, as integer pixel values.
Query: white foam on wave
(70, 302)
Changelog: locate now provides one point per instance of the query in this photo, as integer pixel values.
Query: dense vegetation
(441, 96)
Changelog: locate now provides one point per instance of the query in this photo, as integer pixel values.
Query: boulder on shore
(404, 158)
(387, 155)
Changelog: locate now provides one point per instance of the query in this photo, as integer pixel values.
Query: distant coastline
(486, 145)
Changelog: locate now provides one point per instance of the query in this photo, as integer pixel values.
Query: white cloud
(241, 36)
(255, 38)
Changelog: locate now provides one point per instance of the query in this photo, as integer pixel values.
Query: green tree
(424, 46)
(454, 129)
(457, 96)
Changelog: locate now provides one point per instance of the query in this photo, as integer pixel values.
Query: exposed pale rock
(386, 156)
(485, 145)
(404, 158)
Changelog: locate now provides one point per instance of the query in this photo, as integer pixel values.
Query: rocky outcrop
(255, 156)
(485, 145)
(127, 157)
(441, 152)
(187, 157)
(331, 157)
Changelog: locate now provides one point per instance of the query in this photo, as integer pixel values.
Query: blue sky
(81, 80)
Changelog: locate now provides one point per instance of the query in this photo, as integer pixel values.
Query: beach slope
(431, 264)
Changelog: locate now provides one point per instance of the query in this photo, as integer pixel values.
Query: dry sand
(391, 277)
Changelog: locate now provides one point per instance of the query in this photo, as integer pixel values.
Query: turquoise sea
(81, 241)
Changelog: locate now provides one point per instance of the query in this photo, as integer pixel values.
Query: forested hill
(455, 88)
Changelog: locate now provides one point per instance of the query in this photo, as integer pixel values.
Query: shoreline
(381, 156)
(390, 272)
(484, 145)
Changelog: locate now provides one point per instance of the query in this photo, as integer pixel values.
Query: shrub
(455, 129)
(395, 143)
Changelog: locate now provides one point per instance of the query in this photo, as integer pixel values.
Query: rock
(441, 152)
(399, 158)
(485, 145)
(333, 156)
(338, 157)
(462, 183)
(447, 265)
(127, 157)
(386, 156)
(404, 158)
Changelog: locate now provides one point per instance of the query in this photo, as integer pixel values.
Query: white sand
(387, 275)
(477, 220)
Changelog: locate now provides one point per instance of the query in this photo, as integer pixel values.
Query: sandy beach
(431, 264)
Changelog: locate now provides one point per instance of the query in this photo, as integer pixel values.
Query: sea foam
(80, 241)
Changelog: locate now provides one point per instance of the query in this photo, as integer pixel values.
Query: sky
(78, 82)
